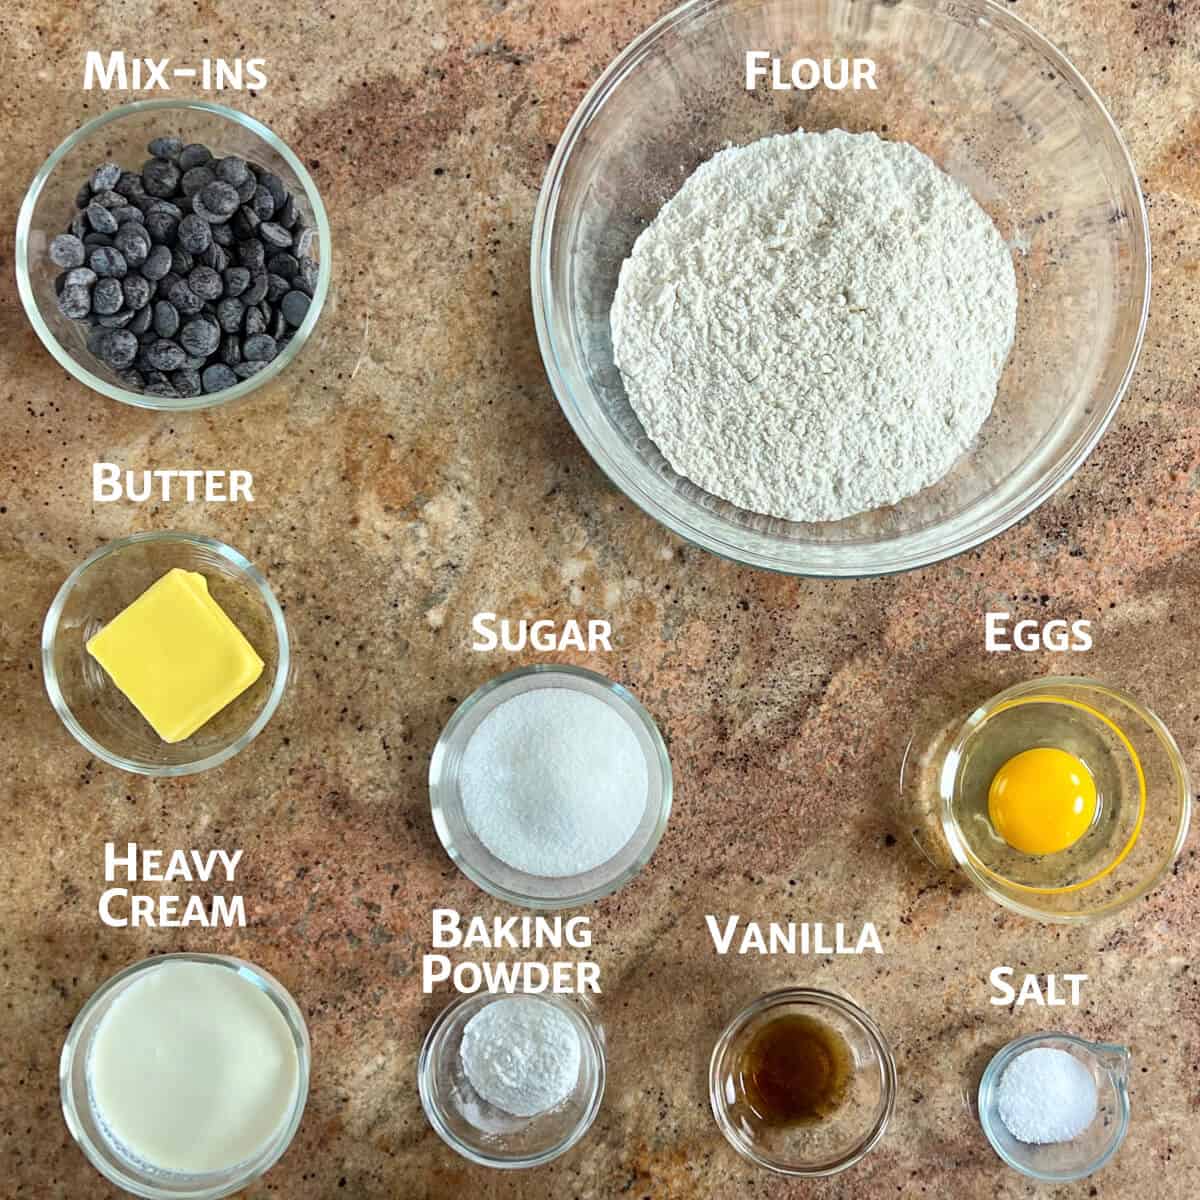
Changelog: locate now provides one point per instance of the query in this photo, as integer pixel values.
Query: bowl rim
(440, 779)
(253, 1168)
(166, 770)
(848, 563)
(948, 778)
(580, 1009)
(74, 366)
(989, 1082)
(814, 998)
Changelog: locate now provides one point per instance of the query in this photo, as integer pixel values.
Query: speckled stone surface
(413, 468)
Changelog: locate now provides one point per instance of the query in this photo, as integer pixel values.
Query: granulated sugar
(521, 1054)
(553, 782)
(815, 324)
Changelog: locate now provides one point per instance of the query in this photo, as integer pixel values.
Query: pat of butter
(176, 655)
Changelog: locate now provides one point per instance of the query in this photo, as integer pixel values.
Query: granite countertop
(413, 468)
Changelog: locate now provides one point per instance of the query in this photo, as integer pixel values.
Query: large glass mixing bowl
(993, 104)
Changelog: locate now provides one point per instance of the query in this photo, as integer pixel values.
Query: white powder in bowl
(815, 324)
(553, 782)
(521, 1054)
(1046, 1096)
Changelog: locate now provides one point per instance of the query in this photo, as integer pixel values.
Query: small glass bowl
(484, 868)
(479, 1131)
(825, 1147)
(997, 107)
(85, 1126)
(121, 135)
(1062, 1161)
(1144, 796)
(90, 704)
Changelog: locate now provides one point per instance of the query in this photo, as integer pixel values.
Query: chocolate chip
(117, 320)
(118, 348)
(166, 319)
(287, 214)
(215, 257)
(184, 299)
(260, 347)
(165, 147)
(163, 226)
(253, 322)
(284, 265)
(75, 302)
(206, 283)
(194, 155)
(200, 337)
(195, 234)
(217, 201)
(165, 355)
(232, 170)
(217, 378)
(295, 307)
(158, 263)
(67, 251)
(160, 177)
(137, 291)
(134, 243)
(229, 314)
(251, 254)
(105, 176)
(108, 261)
(264, 203)
(187, 381)
(141, 320)
(275, 235)
(257, 289)
(237, 280)
(196, 179)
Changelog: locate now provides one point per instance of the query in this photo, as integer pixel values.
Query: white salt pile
(1046, 1096)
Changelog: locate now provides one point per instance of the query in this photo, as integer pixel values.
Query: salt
(521, 1054)
(554, 782)
(1046, 1096)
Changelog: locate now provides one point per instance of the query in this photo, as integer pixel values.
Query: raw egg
(1042, 801)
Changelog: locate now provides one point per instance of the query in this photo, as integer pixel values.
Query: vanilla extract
(795, 1070)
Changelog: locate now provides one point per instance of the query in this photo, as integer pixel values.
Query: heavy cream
(193, 1069)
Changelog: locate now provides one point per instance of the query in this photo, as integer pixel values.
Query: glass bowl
(839, 1140)
(479, 1131)
(94, 709)
(994, 105)
(1062, 1161)
(86, 1127)
(121, 135)
(1143, 808)
(484, 868)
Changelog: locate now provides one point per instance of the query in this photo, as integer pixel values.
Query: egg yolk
(1042, 801)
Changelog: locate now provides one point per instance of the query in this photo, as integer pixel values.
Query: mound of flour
(815, 324)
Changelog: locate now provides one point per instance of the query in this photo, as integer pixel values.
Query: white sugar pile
(521, 1054)
(1046, 1096)
(553, 782)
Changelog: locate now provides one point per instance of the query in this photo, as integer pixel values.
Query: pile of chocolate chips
(194, 273)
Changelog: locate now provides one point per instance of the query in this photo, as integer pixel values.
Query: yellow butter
(176, 655)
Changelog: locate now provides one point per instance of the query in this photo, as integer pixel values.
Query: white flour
(521, 1054)
(815, 324)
